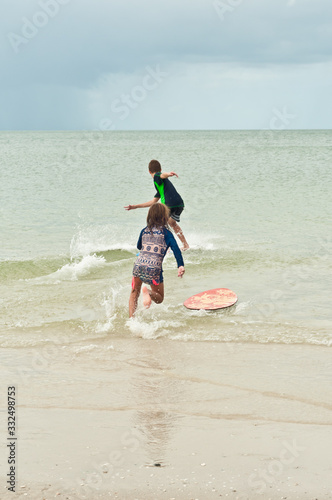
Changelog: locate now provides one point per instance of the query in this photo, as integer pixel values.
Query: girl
(153, 243)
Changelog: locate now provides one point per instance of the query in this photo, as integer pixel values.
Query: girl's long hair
(158, 216)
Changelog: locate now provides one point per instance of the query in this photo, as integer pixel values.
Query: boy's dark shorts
(175, 213)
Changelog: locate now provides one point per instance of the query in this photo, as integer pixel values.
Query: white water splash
(93, 239)
(76, 270)
(110, 304)
(152, 329)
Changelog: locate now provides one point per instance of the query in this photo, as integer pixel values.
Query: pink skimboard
(218, 298)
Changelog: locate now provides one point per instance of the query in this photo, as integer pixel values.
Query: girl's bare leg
(134, 294)
(146, 297)
(156, 294)
(179, 233)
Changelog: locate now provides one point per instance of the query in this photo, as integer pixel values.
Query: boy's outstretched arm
(164, 175)
(142, 205)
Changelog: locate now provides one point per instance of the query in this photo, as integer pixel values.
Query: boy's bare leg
(179, 233)
(156, 294)
(134, 294)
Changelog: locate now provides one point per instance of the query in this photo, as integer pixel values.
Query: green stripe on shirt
(160, 190)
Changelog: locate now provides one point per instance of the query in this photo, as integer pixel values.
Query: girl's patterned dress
(153, 245)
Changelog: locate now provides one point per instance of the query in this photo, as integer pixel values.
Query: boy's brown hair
(158, 216)
(154, 166)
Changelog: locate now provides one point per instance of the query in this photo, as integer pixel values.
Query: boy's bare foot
(146, 297)
(185, 247)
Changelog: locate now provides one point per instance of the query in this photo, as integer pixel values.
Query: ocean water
(257, 218)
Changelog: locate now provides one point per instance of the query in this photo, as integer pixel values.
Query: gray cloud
(84, 41)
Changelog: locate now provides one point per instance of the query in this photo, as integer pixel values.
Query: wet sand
(139, 419)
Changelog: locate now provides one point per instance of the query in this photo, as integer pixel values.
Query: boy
(168, 195)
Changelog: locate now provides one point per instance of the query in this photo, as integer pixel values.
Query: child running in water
(168, 195)
(153, 242)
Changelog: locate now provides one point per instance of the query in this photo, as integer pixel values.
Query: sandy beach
(140, 419)
(220, 110)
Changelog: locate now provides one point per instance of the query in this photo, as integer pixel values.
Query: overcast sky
(165, 64)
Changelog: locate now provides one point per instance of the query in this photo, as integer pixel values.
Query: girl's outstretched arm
(171, 242)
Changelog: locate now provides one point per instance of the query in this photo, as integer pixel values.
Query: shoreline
(241, 421)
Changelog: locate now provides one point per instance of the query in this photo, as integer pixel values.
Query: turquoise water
(257, 218)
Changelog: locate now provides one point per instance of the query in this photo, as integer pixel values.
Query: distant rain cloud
(58, 53)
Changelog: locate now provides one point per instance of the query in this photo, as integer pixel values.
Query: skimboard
(218, 298)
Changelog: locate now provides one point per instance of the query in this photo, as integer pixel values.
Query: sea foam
(75, 270)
